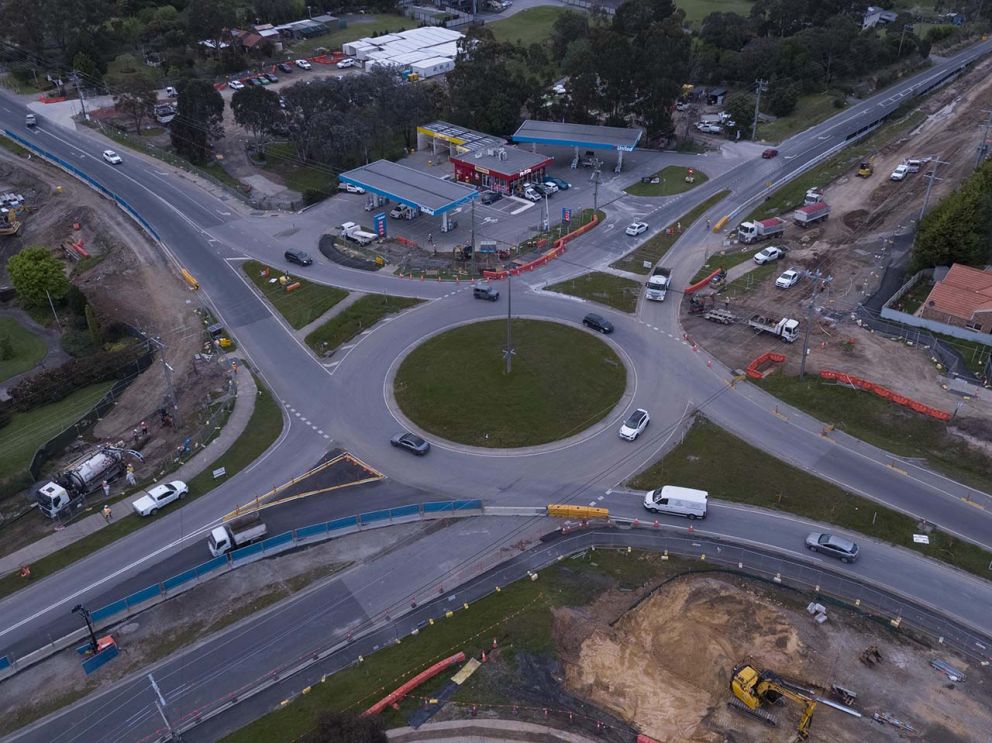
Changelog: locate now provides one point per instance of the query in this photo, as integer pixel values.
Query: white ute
(159, 497)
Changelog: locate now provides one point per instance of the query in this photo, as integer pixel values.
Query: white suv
(899, 173)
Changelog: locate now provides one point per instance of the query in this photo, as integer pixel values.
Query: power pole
(595, 186)
(817, 278)
(931, 177)
(473, 228)
(983, 146)
(79, 92)
(82, 611)
(52, 305)
(160, 705)
(508, 351)
(762, 86)
(173, 401)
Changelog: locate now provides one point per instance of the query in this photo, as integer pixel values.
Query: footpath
(244, 406)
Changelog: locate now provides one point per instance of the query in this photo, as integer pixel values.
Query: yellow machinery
(756, 689)
(865, 169)
(9, 223)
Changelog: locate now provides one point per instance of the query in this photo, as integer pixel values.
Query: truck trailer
(657, 286)
(354, 232)
(236, 533)
(804, 216)
(751, 232)
(787, 329)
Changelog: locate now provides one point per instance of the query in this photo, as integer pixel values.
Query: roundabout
(562, 381)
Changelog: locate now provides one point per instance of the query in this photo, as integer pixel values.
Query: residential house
(875, 16)
(963, 297)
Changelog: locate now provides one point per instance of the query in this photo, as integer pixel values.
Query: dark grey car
(484, 291)
(830, 544)
(411, 442)
(598, 322)
(299, 257)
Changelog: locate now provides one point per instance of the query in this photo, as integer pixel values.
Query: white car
(350, 188)
(159, 497)
(635, 424)
(551, 187)
(768, 255)
(112, 157)
(347, 62)
(236, 85)
(303, 64)
(559, 89)
(709, 128)
(531, 195)
(787, 279)
(899, 173)
(636, 228)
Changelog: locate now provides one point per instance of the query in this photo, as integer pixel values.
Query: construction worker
(106, 489)
(131, 479)
(144, 428)
(108, 515)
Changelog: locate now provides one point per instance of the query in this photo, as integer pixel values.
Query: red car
(769, 153)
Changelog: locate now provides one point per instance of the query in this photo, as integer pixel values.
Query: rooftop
(467, 140)
(504, 160)
(579, 135)
(963, 292)
(410, 187)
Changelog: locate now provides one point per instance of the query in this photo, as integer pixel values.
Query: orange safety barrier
(645, 739)
(556, 250)
(293, 287)
(702, 283)
(886, 393)
(53, 99)
(412, 684)
(753, 369)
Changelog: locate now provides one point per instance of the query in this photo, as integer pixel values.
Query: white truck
(82, 477)
(354, 232)
(804, 216)
(787, 329)
(236, 533)
(813, 196)
(657, 286)
(751, 232)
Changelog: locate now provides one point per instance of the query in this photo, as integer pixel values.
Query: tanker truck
(82, 477)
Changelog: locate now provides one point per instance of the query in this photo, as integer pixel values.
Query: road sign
(566, 216)
(379, 223)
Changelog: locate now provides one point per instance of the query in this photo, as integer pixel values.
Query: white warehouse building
(424, 51)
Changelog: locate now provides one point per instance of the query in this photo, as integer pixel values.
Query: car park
(303, 64)
(767, 255)
(485, 291)
(597, 322)
(299, 257)
(830, 544)
(112, 157)
(769, 153)
(347, 62)
(272, 78)
(788, 278)
(899, 173)
(236, 85)
(490, 197)
(635, 424)
(159, 497)
(411, 442)
(562, 184)
(636, 228)
(285, 67)
(350, 188)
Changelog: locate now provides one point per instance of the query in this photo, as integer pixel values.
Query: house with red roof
(963, 297)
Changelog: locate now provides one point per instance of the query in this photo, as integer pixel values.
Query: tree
(199, 109)
(86, 67)
(36, 276)
(959, 228)
(210, 20)
(256, 109)
(344, 727)
(741, 110)
(135, 96)
(726, 31)
(488, 89)
(783, 98)
(568, 27)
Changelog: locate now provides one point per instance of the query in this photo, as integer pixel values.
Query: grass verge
(652, 250)
(299, 307)
(563, 380)
(809, 110)
(12, 146)
(281, 159)
(351, 321)
(672, 181)
(711, 459)
(605, 288)
(725, 260)
(25, 348)
(531, 26)
(263, 429)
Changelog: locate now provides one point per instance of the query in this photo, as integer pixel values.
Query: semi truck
(657, 286)
(81, 478)
(236, 533)
(787, 329)
(751, 232)
(354, 232)
(811, 213)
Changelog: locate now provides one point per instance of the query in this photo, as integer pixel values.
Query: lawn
(884, 424)
(26, 348)
(281, 159)
(724, 260)
(351, 321)
(563, 380)
(673, 181)
(713, 460)
(20, 438)
(697, 10)
(370, 24)
(652, 250)
(299, 307)
(810, 110)
(263, 429)
(910, 301)
(605, 288)
(531, 26)
(791, 195)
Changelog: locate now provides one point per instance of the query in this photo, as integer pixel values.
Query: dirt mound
(667, 662)
(856, 219)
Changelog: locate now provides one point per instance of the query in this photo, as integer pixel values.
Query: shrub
(56, 384)
(313, 196)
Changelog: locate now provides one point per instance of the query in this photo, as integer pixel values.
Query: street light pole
(79, 609)
(761, 87)
(931, 177)
(508, 351)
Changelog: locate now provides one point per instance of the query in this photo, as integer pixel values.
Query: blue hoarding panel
(313, 530)
(4, 663)
(342, 523)
(143, 595)
(178, 580)
(109, 610)
(368, 518)
(277, 541)
(467, 505)
(241, 554)
(436, 506)
(404, 511)
(209, 565)
(105, 655)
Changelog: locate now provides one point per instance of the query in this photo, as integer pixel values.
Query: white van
(913, 166)
(677, 501)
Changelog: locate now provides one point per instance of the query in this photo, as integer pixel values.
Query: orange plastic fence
(702, 283)
(754, 368)
(412, 684)
(53, 99)
(886, 393)
(558, 249)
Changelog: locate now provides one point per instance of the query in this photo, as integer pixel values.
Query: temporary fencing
(885, 393)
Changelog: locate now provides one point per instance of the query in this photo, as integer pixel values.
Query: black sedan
(285, 67)
(411, 442)
(598, 322)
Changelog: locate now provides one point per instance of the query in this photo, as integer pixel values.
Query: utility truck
(354, 232)
(236, 533)
(657, 286)
(84, 476)
(787, 329)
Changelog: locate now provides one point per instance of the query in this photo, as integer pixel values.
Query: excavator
(9, 223)
(756, 689)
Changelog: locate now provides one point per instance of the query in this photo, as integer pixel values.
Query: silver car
(830, 544)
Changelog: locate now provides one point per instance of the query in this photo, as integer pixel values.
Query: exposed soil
(666, 665)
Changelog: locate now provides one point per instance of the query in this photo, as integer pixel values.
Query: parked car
(830, 544)
(532, 195)
(271, 77)
(411, 442)
(112, 157)
(236, 85)
(550, 187)
(707, 128)
(788, 278)
(635, 424)
(347, 62)
(485, 291)
(171, 92)
(559, 89)
(350, 188)
(636, 228)
(597, 322)
(159, 497)
(285, 67)
(299, 257)
(562, 184)
(543, 190)
(768, 255)
(900, 172)
(263, 80)
(769, 153)
(490, 197)
(303, 64)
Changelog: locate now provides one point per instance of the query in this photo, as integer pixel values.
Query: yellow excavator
(756, 689)
(9, 223)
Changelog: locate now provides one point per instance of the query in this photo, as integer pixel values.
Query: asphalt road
(210, 237)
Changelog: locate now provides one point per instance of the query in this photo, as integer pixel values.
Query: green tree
(488, 89)
(210, 20)
(959, 228)
(199, 109)
(741, 110)
(568, 27)
(783, 97)
(345, 727)
(86, 67)
(256, 109)
(36, 276)
(135, 96)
